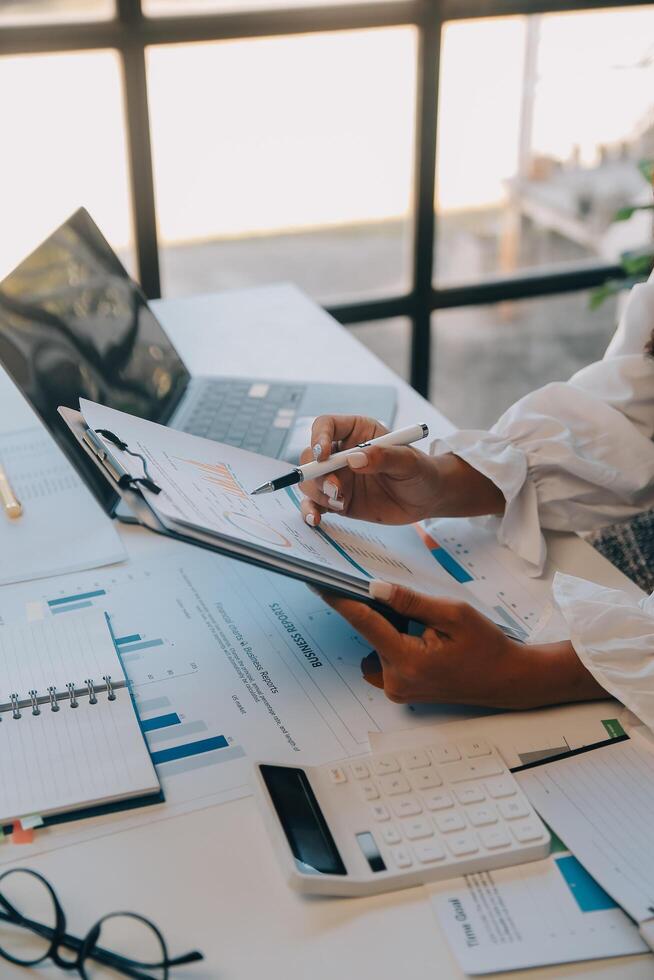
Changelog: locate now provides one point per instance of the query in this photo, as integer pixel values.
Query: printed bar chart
(76, 598)
(589, 896)
(143, 645)
(444, 558)
(127, 639)
(161, 721)
(189, 749)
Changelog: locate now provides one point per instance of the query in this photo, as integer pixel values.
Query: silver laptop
(73, 323)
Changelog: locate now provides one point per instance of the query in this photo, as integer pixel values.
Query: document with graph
(69, 734)
(205, 497)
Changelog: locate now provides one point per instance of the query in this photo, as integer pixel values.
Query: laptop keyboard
(254, 416)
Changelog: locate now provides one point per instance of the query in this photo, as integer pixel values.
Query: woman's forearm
(559, 675)
(462, 491)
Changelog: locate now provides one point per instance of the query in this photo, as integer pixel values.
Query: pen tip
(262, 489)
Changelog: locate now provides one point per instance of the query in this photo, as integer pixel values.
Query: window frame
(131, 32)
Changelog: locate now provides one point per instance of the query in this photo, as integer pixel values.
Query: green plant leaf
(646, 168)
(637, 264)
(611, 288)
(625, 213)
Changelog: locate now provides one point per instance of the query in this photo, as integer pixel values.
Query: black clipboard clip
(123, 477)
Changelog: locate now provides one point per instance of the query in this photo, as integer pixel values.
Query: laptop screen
(73, 323)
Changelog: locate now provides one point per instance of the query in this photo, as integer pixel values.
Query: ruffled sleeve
(613, 635)
(576, 455)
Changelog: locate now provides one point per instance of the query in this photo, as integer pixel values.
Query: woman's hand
(394, 485)
(462, 657)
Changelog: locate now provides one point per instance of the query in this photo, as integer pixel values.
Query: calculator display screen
(302, 819)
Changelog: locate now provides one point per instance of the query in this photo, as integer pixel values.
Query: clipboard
(130, 493)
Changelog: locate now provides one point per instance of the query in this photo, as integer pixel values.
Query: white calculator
(380, 822)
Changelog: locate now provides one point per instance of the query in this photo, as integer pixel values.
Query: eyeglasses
(132, 945)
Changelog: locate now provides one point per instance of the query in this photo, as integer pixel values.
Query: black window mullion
(429, 41)
(139, 148)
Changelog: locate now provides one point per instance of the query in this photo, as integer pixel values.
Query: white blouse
(576, 456)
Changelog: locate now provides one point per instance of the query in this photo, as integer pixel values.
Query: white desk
(209, 878)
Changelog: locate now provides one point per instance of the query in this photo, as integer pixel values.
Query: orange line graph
(220, 475)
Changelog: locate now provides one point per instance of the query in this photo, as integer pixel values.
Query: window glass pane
(484, 358)
(390, 340)
(285, 158)
(173, 8)
(66, 149)
(54, 11)
(542, 122)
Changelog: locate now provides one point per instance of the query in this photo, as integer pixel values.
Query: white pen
(313, 470)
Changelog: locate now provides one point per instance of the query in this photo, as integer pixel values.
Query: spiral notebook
(69, 734)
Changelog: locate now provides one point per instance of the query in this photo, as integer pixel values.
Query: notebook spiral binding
(35, 702)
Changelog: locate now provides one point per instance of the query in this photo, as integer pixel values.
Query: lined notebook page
(55, 653)
(74, 757)
(601, 804)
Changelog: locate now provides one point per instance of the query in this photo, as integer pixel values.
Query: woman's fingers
(328, 429)
(398, 653)
(442, 614)
(311, 512)
(396, 461)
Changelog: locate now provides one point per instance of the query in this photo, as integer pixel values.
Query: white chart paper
(62, 528)
(228, 663)
(535, 914)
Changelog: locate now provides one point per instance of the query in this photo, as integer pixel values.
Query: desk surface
(209, 878)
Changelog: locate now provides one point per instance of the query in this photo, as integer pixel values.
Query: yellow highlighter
(10, 502)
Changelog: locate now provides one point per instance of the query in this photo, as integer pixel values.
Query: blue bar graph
(161, 721)
(143, 645)
(451, 565)
(589, 896)
(71, 607)
(127, 639)
(191, 748)
(76, 598)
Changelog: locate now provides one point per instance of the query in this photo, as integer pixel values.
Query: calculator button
(493, 837)
(408, 807)
(447, 822)
(337, 775)
(360, 770)
(402, 857)
(368, 791)
(502, 786)
(394, 785)
(513, 809)
(415, 760)
(384, 764)
(479, 816)
(425, 779)
(438, 800)
(427, 853)
(457, 772)
(445, 753)
(462, 844)
(391, 835)
(380, 812)
(526, 831)
(474, 747)
(417, 828)
(470, 794)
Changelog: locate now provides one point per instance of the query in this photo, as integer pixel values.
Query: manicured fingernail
(310, 520)
(331, 489)
(357, 460)
(336, 504)
(316, 450)
(379, 589)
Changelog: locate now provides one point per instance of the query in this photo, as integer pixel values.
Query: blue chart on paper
(589, 896)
